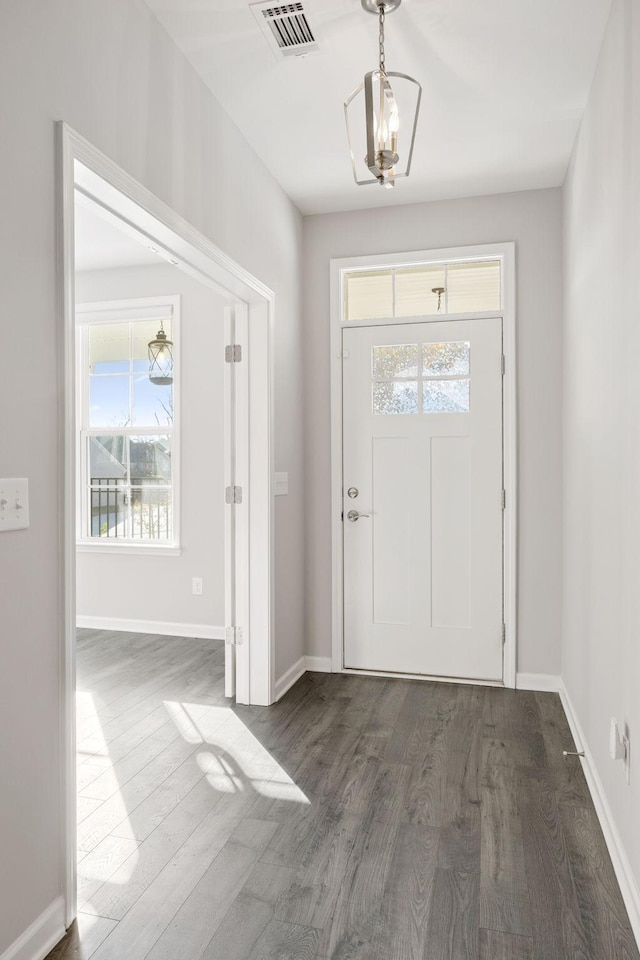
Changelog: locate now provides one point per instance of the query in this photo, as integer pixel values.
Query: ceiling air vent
(286, 28)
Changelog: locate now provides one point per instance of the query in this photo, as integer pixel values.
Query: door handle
(353, 515)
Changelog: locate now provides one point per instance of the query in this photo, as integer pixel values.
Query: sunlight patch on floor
(235, 761)
(98, 862)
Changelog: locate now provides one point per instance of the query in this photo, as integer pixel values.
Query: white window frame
(113, 311)
(505, 252)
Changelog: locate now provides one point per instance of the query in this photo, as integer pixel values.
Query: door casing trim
(253, 304)
(505, 252)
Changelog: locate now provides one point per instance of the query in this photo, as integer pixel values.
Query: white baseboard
(203, 631)
(299, 668)
(318, 664)
(615, 845)
(543, 682)
(289, 677)
(40, 938)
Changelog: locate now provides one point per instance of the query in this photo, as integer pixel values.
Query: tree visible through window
(128, 435)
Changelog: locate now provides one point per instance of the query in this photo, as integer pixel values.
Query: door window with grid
(128, 432)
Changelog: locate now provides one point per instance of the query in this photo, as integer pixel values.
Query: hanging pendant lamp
(382, 115)
(161, 358)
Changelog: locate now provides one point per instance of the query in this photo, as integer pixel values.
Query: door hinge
(504, 633)
(234, 636)
(503, 499)
(233, 495)
(233, 353)
(504, 364)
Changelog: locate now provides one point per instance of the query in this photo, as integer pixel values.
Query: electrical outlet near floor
(196, 586)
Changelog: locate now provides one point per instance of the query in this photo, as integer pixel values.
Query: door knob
(353, 515)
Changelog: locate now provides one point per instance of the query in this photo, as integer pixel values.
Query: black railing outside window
(119, 510)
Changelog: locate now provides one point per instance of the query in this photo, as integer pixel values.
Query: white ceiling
(99, 245)
(504, 86)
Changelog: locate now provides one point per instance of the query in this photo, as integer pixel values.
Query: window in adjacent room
(129, 429)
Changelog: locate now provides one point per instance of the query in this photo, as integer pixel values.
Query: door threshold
(392, 674)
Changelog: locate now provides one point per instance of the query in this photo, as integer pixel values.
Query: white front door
(422, 433)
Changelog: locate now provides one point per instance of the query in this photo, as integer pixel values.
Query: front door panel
(423, 447)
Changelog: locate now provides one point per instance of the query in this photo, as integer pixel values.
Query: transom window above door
(421, 290)
(421, 378)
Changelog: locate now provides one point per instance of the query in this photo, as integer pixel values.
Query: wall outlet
(196, 586)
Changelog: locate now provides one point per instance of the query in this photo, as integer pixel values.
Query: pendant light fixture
(382, 115)
(161, 358)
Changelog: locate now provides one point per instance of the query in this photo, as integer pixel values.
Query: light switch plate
(14, 504)
(280, 484)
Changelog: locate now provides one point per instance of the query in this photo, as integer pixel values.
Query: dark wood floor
(357, 819)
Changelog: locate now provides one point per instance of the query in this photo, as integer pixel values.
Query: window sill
(133, 549)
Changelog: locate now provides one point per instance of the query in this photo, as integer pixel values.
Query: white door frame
(505, 252)
(81, 166)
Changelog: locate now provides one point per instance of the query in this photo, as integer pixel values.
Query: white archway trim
(82, 167)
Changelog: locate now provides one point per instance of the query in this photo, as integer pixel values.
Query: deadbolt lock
(352, 492)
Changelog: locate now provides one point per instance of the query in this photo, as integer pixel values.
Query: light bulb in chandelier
(372, 115)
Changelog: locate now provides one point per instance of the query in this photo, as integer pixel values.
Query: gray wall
(113, 74)
(158, 587)
(533, 220)
(601, 648)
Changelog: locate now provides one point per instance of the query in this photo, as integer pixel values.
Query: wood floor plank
(148, 815)
(197, 920)
(311, 898)
(240, 930)
(409, 889)
(153, 684)
(85, 808)
(115, 898)
(384, 909)
(602, 912)
(365, 873)
(154, 910)
(354, 790)
(389, 795)
(119, 773)
(557, 925)
(513, 717)
(389, 701)
(87, 772)
(267, 882)
(453, 927)
(286, 941)
(98, 866)
(411, 734)
(504, 946)
(112, 814)
(425, 795)
(459, 848)
(504, 891)
(250, 913)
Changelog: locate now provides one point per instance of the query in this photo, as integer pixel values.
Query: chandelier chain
(381, 37)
